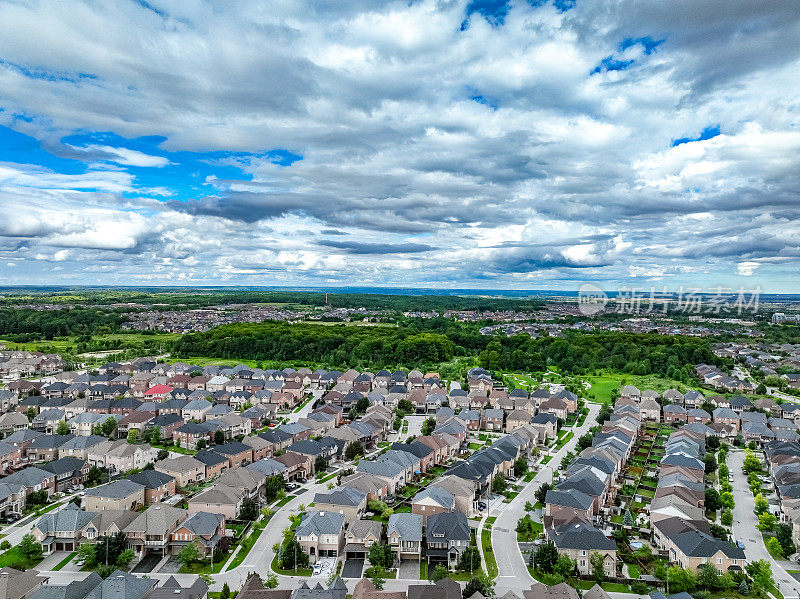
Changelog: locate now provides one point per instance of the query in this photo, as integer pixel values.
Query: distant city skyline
(480, 144)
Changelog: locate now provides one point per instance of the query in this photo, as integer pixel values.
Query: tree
(31, 413)
(712, 499)
(108, 549)
(708, 577)
(478, 584)
(249, 509)
(681, 580)
(718, 532)
(760, 505)
(320, 464)
(546, 557)
(108, 427)
(585, 441)
(219, 438)
(541, 492)
(751, 463)
(710, 463)
(87, 553)
(743, 588)
(499, 484)
(133, 436)
(94, 477)
(362, 405)
(565, 566)
(125, 558)
(201, 444)
(271, 582)
(528, 506)
(274, 488)
(291, 555)
(727, 517)
(378, 574)
(766, 522)
(405, 407)
(627, 519)
(381, 554)
(428, 425)
(30, 548)
(774, 547)
(712, 443)
(189, 554)
(354, 450)
(162, 454)
(760, 572)
(470, 560)
(5, 545)
(63, 428)
(727, 500)
(520, 466)
(226, 592)
(598, 563)
(440, 572)
(783, 533)
(153, 435)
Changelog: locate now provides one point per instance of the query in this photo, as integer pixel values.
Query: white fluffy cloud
(505, 154)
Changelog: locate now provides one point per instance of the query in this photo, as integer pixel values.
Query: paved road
(513, 571)
(744, 528)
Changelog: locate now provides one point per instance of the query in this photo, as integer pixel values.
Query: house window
(719, 560)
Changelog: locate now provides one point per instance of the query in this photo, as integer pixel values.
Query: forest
(27, 324)
(429, 344)
(171, 299)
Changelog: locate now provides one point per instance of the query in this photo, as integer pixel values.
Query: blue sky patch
(609, 63)
(494, 11)
(647, 43)
(185, 175)
(707, 133)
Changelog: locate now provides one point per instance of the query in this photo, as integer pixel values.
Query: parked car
(302, 481)
(740, 545)
(317, 569)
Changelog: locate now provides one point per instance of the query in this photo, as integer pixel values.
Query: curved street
(512, 570)
(744, 528)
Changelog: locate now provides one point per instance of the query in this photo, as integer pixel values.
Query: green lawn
(64, 561)
(488, 553)
(423, 570)
(298, 572)
(633, 570)
(247, 544)
(205, 566)
(14, 558)
(605, 383)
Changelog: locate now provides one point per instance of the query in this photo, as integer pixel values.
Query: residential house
(152, 530)
(185, 469)
(158, 486)
(404, 532)
(321, 534)
(447, 535)
(120, 494)
(360, 536)
(201, 528)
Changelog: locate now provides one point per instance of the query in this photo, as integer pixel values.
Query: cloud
(357, 247)
(538, 143)
(123, 156)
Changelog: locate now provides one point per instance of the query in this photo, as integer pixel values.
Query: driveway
(744, 528)
(146, 565)
(353, 568)
(513, 572)
(408, 570)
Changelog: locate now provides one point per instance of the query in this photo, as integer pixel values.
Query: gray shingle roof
(407, 526)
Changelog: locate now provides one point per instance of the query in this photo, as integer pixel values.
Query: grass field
(14, 558)
(67, 344)
(488, 553)
(604, 384)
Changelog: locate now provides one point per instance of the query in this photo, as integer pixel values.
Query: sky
(529, 144)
